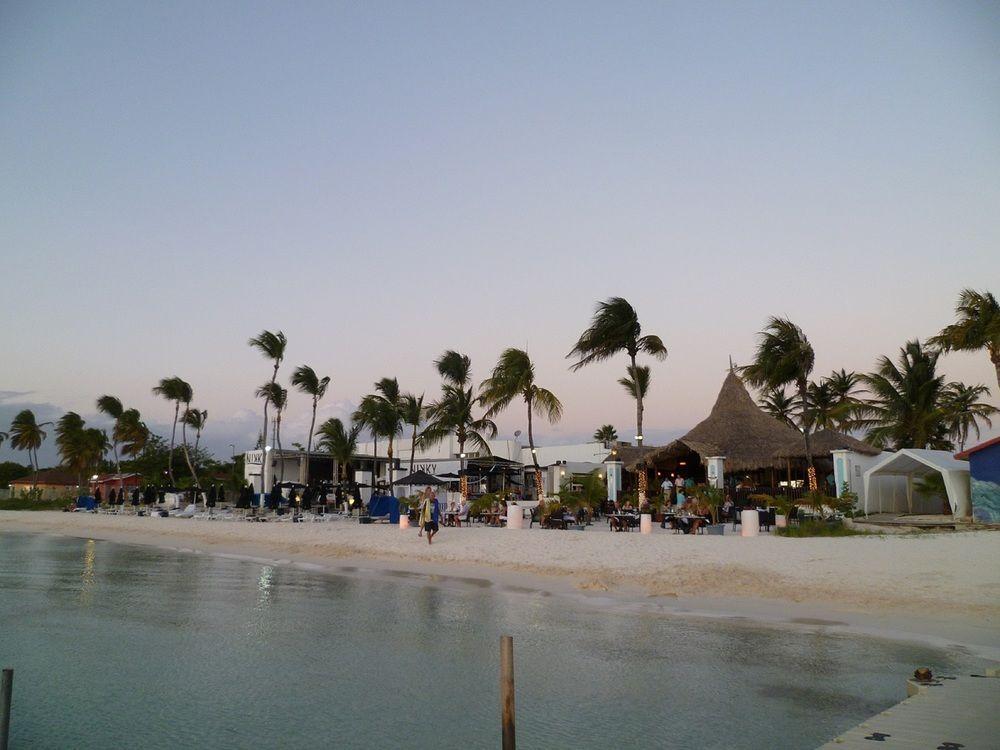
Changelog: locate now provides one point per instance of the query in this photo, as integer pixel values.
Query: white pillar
(716, 471)
(265, 475)
(614, 479)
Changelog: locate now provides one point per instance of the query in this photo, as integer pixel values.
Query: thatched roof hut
(736, 428)
(822, 443)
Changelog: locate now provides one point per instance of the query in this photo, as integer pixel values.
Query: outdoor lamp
(600, 476)
(562, 473)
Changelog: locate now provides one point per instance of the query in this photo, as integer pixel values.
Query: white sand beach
(942, 584)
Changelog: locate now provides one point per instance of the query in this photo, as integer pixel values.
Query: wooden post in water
(506, 691)
(6, 689)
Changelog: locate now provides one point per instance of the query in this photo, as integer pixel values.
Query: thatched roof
(629, 455)
(736, 428)
(822, 443)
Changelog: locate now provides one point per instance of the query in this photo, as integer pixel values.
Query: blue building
(984, 468)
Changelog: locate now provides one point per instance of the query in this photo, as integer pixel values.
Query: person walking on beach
(430, 514)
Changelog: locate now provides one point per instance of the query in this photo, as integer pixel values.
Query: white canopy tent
(920, 462)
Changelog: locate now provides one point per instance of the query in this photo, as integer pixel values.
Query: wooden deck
(951, 712)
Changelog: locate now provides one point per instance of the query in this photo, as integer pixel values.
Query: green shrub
(813, 528)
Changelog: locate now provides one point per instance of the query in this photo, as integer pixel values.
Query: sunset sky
(383, 181)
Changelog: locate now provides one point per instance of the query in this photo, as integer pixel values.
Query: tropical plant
(111, 407)
(615, 328)
(26, 434)
(413, 414)
(272, 346)
(905, 405)
(977, 327)
(69, 430)
(514, 377)
(453, 412)
(3, 436)
(606, 434)
(307, 381)
(273, 393)
(784, 357)
(176, 390)
(963, 410)
(779, 405)
(339, 441)
(636, 381)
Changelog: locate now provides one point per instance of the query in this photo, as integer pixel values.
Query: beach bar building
(739, 446)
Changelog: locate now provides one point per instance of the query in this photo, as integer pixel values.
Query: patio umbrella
(421, 478)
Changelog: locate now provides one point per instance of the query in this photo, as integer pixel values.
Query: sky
(384, 181)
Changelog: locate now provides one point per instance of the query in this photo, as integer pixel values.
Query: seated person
(461, 513)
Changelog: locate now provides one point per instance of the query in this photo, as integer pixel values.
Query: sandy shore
(943, 585)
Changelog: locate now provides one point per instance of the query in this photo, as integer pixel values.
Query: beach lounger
(188, 512)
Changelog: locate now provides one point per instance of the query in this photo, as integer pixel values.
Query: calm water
(133, 647)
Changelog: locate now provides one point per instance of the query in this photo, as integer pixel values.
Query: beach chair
(188, 512)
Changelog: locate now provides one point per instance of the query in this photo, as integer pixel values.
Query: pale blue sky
(387, 180)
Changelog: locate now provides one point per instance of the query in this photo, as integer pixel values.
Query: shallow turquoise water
(135, 647)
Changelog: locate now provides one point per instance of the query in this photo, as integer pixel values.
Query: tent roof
(736, 428)
(917, 461)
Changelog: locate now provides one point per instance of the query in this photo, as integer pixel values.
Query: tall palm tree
(904, 408)
(132, 433)
(69, 443)
(272, 346)
(26, 434)
(413, 414)
(307, 381)
(606, 434)
(615, 328)
(963, 410)
(340, 442)
(977, 327)
(94, 444)
(273, 393)
(382, 413)
(110, 406)
(784, 357)
(514, 377)
(453, 412)
(779, 405)
(176, 390)
(196, 420)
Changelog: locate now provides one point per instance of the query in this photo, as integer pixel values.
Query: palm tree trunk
(309, 442)
(173, 440)
(392, 473)
(187, 456)
(995, 358)
(463, 482)
(118, 467)
(539, 490)
(413, 447)
(277, 439)
(806, 427)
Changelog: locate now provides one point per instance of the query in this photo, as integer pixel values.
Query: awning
(920, 462)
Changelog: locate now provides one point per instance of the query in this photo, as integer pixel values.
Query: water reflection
(87, 573)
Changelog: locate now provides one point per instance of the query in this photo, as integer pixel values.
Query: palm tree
(615, 328)
(606, 434)
(69, 431)
(964, 410)
(132, 433)
(307, 381)
(3, 436)
(382, 413)
(904, 408)
(26, 434)
(413, 414)
(514, 377)
(110, 406)
(176, 390)
(94, 444)
(779, 405)
(340, 442)
(272, 346)
(196, 420)
(273, 393)
(453, 413)
(977, 327)
(785, 357)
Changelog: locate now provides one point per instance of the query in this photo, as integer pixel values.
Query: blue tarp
(85, 501)
(384, 505)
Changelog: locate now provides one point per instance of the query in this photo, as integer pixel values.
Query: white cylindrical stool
(404, 521)
(749, 523)
(515, 517)
(645, 523)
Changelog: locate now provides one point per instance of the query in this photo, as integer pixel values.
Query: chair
(188, 512)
